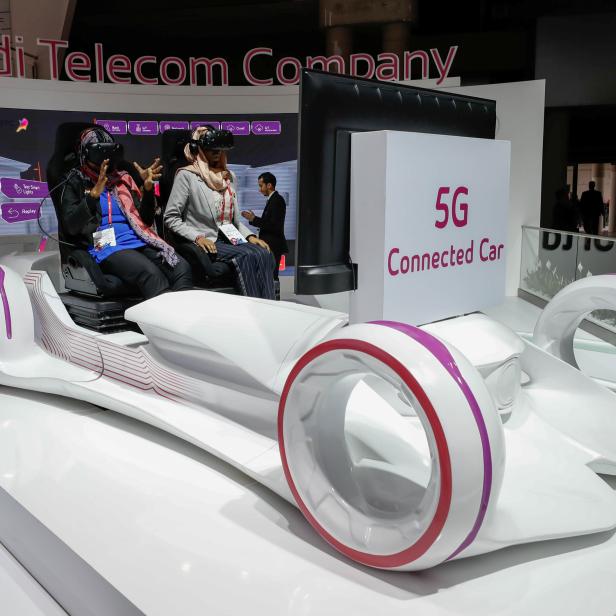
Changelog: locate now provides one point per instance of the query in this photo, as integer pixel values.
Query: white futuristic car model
(403, 446)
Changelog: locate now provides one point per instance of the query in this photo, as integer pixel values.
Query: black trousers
(278, 246)
(144, 269)
(277, 257)
(204, 270)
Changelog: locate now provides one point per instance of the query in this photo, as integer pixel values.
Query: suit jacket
(271, 224)
(591, 203)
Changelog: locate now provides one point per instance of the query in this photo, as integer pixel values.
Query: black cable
(352, 272)
(38, 220)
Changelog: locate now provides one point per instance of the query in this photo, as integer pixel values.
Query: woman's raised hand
(150, 174)
(102, 180)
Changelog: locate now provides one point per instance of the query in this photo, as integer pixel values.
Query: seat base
(100, 315)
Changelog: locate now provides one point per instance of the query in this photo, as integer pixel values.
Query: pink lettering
(77, 61)
(362, 57)
(416, 55)
(139, 75)
(98, 59)
(21, 61)
(443, 69)
(54, 45)
(164, 71)
(441, 206)
(463, 220)
(209, 70)
(250, 78)
(118, 64)
(404, 264)
(388, 70)
(392, 271)
(326, 62)
(5, 53)
(297, 67)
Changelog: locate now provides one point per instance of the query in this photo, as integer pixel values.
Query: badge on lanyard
(105, 237)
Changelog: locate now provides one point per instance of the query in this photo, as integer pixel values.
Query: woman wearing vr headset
(105, 212)
(202, 209)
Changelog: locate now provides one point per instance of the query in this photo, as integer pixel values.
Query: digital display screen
(264, 142)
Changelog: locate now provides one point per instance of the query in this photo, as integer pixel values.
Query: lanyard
(109, 220)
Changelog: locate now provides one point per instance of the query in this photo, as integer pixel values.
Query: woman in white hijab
(203, 209)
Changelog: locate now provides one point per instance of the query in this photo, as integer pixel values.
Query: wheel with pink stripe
(391, 445)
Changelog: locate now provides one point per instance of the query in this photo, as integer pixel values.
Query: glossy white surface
(329, 474)
(179, 532)
(556, 328)
(235, 417)
(242, 341)
(596, 358)
(20, 594)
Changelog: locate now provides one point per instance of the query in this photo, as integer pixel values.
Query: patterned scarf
(123, 192)
(121, 185)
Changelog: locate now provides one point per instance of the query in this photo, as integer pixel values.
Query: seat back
(63, 159)
(220, 277)
(81, 273)
(172, 158)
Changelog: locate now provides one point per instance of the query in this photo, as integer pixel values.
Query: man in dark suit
(271, 221)
(591, 206)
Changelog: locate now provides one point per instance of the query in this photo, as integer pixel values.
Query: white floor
(20, 594)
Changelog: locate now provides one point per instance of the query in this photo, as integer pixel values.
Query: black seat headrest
(64, 156)
(173, 142)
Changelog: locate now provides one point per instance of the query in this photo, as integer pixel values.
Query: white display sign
(428, 225)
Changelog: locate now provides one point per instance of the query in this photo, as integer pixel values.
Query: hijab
(95, 135)
(198, 164)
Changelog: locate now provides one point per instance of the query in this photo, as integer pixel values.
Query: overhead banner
(200, 70)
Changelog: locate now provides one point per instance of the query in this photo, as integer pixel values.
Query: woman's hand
(101, 182)
(253, 239)
(207, 245)
(150, 174)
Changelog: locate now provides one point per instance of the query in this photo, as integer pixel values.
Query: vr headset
(212, 140)
(98, 152)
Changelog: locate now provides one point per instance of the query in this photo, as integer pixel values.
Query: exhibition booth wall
(519, 120)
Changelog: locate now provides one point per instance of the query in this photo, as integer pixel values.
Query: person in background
(565, 214)
(591, 205)
(104, 212)
(203, 209)
(271, 221)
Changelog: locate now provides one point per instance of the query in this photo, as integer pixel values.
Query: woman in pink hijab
(203, 211)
